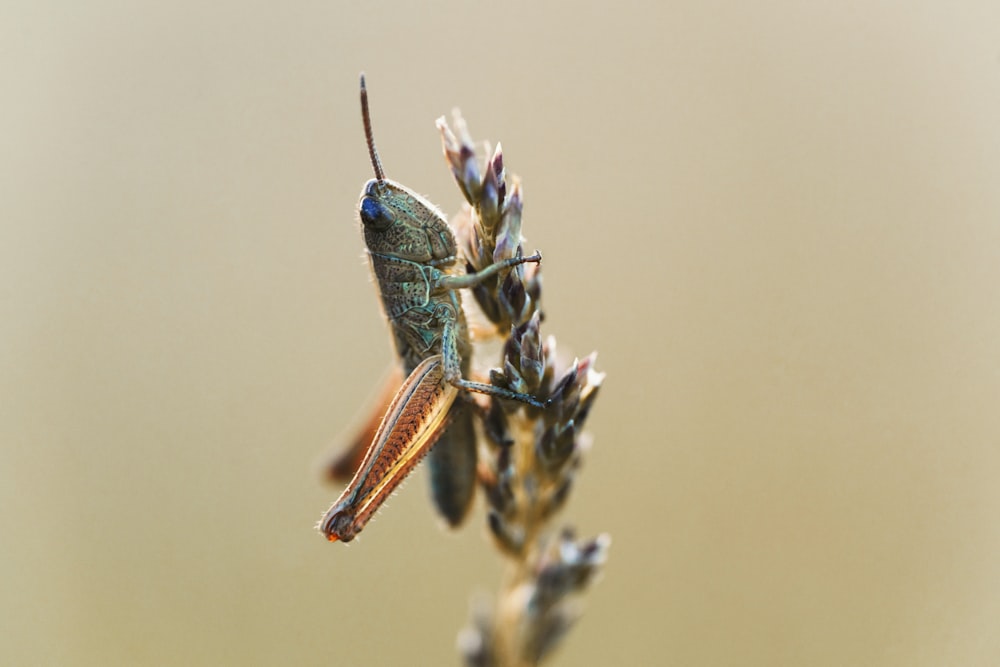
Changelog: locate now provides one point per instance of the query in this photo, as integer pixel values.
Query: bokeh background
(779, 223)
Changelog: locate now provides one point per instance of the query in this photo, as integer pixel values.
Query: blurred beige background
(779, 225)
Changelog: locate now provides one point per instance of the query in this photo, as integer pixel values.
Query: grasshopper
(414, 258)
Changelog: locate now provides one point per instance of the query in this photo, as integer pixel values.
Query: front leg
(449, 282)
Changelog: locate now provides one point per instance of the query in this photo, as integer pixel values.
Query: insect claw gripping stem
(499, 392)
(472, 279)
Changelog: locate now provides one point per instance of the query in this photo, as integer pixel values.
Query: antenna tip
(362, 81)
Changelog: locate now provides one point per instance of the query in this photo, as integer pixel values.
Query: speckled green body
(410, 257)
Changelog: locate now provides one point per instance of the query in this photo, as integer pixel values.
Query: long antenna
(376, 163)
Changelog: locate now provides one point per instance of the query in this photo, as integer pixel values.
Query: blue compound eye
(375, 215)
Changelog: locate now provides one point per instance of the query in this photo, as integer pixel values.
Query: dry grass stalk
(532, 455)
